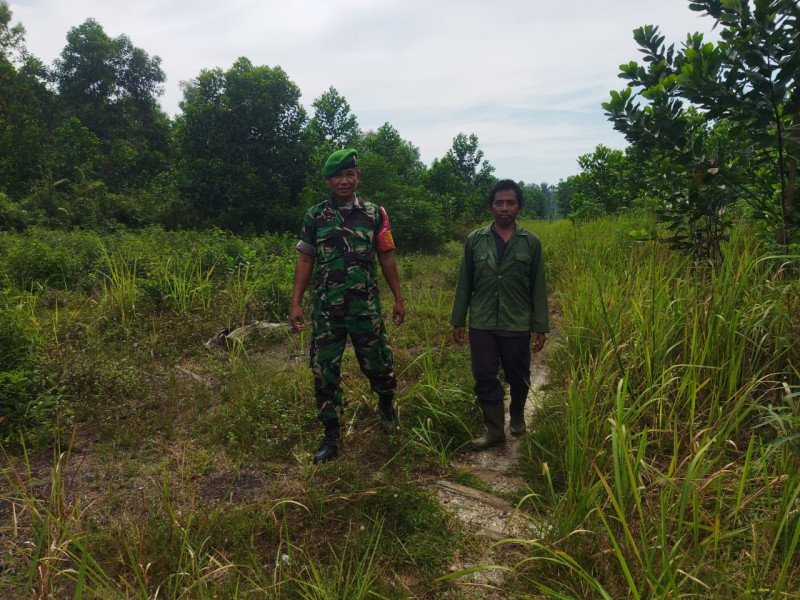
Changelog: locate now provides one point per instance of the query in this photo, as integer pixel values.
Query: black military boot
(387, 413)
(494, 417)
(517, 412)
(329, 448)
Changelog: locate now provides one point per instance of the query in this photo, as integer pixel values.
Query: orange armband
(384, 240)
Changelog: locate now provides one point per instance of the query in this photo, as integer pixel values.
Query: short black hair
(507, 184)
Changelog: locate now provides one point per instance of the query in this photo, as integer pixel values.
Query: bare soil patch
(489, 514)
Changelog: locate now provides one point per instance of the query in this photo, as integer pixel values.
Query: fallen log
(225, 336)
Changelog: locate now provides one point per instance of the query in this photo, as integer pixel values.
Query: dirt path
(489, 513)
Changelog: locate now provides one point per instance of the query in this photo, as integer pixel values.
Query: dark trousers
(488, 351)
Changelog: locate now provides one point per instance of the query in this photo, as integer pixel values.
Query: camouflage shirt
(343, 244)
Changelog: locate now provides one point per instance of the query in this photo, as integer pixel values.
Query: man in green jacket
(501, 284)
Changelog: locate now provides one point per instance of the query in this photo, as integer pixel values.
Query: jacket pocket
(328, 246)
(483, 264)
(364, 255)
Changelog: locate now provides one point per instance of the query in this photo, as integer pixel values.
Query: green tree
(536, 200)
(333, 126)
(547, 209)
(605, 184)
(27, 122)
(403, 155)
(460, 181)
(448, 189)
(391, 177)
(244, 160)
(750, 78)
(111, 86)
(467, 159)
(12, 38)
(563, 194)
(21, 132)
(747, 80)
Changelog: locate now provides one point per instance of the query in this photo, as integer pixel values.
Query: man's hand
(389, 269)
(398, 312)
(537, 342)
(459, 335)
(302, 275)
(296, 318)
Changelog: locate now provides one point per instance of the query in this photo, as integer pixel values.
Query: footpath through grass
(665, 462)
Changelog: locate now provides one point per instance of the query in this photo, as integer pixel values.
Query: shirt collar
(489, 229)
(358, 203)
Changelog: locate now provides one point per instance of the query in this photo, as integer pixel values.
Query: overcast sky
(526, 76)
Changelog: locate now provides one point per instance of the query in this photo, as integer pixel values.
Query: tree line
(84, 143)
(712, 130)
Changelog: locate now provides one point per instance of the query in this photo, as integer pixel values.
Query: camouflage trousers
(368, 336)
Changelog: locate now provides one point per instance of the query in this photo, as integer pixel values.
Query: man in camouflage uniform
(339, 242)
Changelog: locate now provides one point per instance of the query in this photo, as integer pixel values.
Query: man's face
(505, 207)
(344, 183)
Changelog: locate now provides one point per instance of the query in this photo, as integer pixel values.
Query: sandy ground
(491, 515)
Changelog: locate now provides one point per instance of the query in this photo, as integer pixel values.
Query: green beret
(341, 159)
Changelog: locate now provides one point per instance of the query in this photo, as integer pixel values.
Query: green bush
(42, 258)
(417, 226)
(22, 408)
(13, 217)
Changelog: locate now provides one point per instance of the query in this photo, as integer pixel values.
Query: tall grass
(677, 476)
(352, 574)
(176, 553)
(188, 285)
(120, 288)
(664, 457)
(55, 556)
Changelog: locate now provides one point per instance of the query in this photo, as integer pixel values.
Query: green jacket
(509, 296)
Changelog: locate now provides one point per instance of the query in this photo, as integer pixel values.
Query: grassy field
(137, 463)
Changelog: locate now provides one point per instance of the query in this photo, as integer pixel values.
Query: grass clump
(670, 477)
(662, 461)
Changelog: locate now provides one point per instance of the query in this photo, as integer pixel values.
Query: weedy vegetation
(662, 461)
